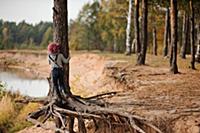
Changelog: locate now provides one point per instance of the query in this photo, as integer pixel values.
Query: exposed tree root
(86, 109)
(93, 109)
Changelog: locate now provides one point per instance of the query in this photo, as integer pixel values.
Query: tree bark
(128, 29)
(166, 34)
(142, 56)
(155, 46)
(184, 35)
(60, 35)
(170, 46)
(133, 47)
(192, 34)
(115, 45)
(173, 12)
(136, 27)
(171, 55)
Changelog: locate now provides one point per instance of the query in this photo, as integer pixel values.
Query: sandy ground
(170, 101)
(86, 70)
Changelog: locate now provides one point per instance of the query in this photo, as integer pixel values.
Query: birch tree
(198, 44)
(128, 29)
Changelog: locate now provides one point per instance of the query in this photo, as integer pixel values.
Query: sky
(34, 11)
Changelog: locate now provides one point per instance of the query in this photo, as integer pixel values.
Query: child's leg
(55, 78)
(61, 82)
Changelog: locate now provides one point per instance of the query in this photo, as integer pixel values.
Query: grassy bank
(151, 60)
(13, 115)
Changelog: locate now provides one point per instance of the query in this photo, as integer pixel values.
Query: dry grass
(13, 118)
(13, 115)
(25, 110)
(20, 120)
(6, 112)
(151, 60)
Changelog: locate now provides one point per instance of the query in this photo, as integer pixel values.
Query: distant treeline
(24, 35)
(100, 25)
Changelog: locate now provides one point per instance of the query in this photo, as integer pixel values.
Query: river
(24, 82)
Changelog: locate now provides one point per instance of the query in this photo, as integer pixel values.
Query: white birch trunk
(128, 29)
(198, 44)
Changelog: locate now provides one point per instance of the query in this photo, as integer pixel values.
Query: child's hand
(69, 57)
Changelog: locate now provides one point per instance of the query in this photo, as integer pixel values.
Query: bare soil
(171, 102)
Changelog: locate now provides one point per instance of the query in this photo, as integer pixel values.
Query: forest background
(100, 25)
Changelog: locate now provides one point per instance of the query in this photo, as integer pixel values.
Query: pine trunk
(128, 29)
(192, 34)
(133, 47)
(155, 46)
(60, 35)
(171, 55)
(115, 45)
(166, 34)
(173, 12)
(142, 56)
(136, 27)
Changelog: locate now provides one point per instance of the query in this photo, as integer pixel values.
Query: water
(24, 82)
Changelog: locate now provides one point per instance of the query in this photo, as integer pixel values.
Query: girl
(56, 60)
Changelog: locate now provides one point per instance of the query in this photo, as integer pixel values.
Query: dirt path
(170, 101)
